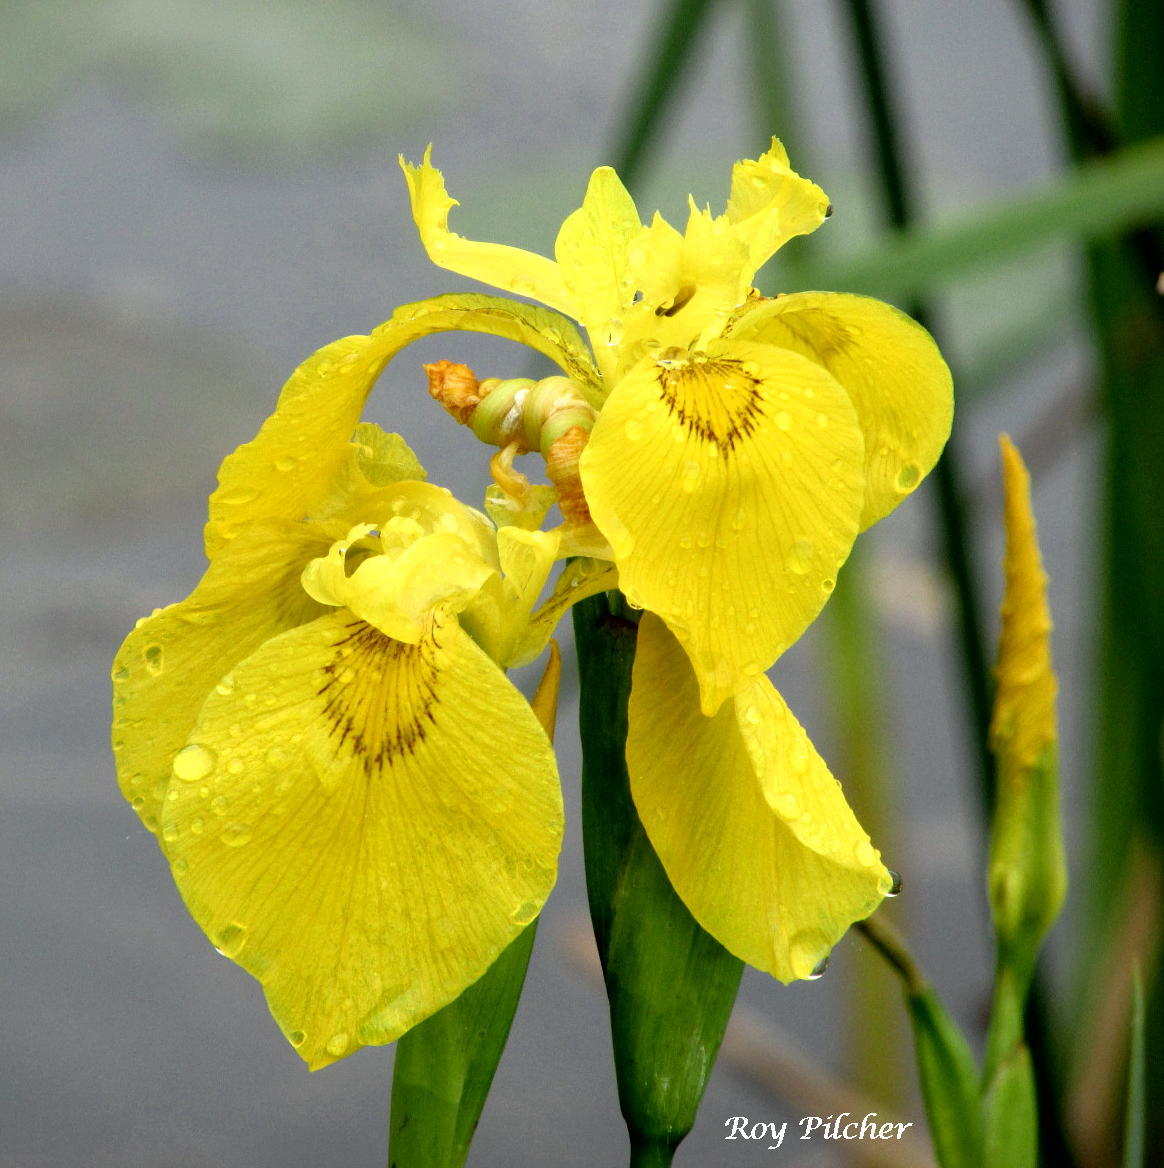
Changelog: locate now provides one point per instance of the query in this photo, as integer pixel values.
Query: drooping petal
(729, 486)
(890, 367)
(298, 460)
(770, 204)
(591, 250)
(753, 832)
(363, 826)
(509, 268)
(172, 660)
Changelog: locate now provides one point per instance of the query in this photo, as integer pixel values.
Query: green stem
(652, 1154)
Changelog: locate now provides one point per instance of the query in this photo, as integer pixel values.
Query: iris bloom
(357, 806)
(740, 444)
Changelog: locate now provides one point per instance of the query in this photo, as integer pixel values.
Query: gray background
(196, 197)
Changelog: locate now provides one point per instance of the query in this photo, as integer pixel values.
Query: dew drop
(818, 970)
(337, 1044)
(198, 826)
(691, 476)
(180, 866)
(799, 557)
(192, 763)
(907, 478)
(169, 831)
(828, 584)
(787, 806)
(225, 687)
(783, 419)
(284, 463)
(236, 766)
(866, 854)
(234, 835)
(218, 804)
(238, 496)
(120, 674)
(153, 659)
(895, 883)
(231, 940)
(633, 430)
(822, 421)
(524, 913)
(297, 1038)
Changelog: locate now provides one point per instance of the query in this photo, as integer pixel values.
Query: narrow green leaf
(949, 1081)
(444, 1067)
(1135, 1116)
(1010, 1116)
(1097, 201)
(671, 987)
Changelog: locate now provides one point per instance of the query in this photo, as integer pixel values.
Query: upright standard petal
(753, 832)
(771, 204)
(173, 659)
(729, 486)
(592, 252)
(509, 268)
(388, 821)
(890, 367)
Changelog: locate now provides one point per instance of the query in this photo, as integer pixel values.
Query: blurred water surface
(199, 196)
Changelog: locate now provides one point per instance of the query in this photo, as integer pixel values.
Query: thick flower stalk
(356, 804)
(739, 445)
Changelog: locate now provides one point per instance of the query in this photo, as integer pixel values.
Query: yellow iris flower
(356, 804)
(740, 445)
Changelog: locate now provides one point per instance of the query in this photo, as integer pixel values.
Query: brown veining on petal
(379, 693)
(716, 400)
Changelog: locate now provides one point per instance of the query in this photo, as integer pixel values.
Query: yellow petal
(591, 250)
(172, 660)
(890, 367)
(508, 268)
(770, 204)
(363, 826)
(753, 832)
(299, 458)
(498, 615)
(691, 284)
(729, 488)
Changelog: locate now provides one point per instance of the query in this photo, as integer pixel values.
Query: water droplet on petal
(236, 834)
(818, 970)
(297, 1038)
(800, 556)
(336, 1045)
(225, 687)
(633, 430)
(691, 476)
(153, 659)
(237, 496)
(284, 463)
(231, 940)
(895, 883)
(180, 865)
(787, 806)
(783, 419)
(907, 478)
(192, 763)
(822, 420)
(524, 913)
